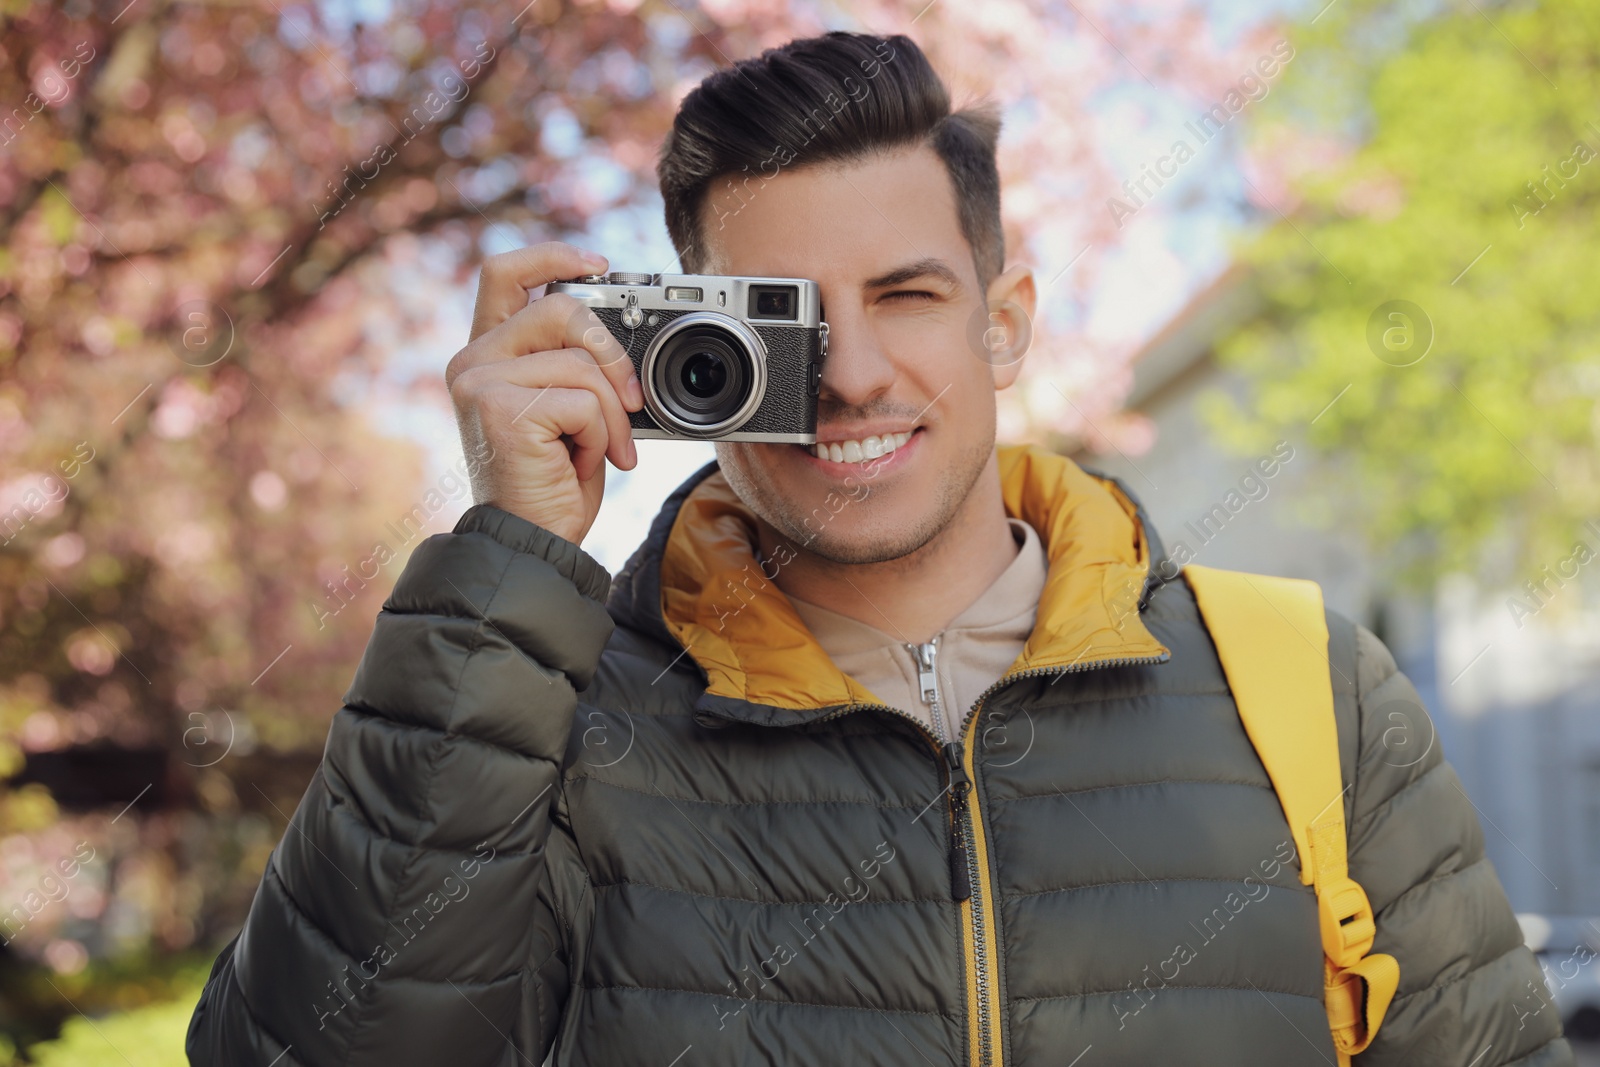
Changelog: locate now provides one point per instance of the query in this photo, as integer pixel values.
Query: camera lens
(704, 377)
(704, 374)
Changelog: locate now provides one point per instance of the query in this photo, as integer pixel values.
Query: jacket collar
(763, 665)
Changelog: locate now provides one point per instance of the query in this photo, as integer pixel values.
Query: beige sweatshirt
(978, 646)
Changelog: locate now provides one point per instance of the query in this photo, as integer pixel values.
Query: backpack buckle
(1348, 926)
(1357, 999)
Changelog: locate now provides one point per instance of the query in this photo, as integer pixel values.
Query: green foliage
(1473, 194)
(150, 1036)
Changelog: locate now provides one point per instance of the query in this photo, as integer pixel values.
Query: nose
(857, 368)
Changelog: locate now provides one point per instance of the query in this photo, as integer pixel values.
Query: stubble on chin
(873, 536)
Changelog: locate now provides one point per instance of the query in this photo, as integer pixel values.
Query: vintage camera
(720, 358)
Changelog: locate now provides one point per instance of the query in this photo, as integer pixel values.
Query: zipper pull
(928, 683)
(958, 774)
(960, 881)
(927, 680)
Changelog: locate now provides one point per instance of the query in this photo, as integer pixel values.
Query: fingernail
(633, 454)
(635, 390)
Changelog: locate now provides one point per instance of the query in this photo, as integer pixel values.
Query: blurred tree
(1452, 164)
(220, 223)
(205, 209)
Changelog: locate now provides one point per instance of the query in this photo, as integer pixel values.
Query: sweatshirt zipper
(926, 658)
(969, 879)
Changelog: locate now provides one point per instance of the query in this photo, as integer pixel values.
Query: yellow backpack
(1272, 638)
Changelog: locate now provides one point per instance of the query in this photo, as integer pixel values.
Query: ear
(1011, 298)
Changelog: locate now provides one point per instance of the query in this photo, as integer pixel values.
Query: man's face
(900, 295)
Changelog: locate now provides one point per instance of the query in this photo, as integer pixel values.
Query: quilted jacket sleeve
(405, 916)
(1470, 991)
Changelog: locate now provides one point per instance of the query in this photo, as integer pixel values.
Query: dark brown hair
(835, 98)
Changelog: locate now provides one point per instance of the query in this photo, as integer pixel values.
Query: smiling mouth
(858, 450)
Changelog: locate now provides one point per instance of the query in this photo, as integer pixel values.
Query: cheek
(939, 328)
(946, 368)
(755, 464)
(933, 351)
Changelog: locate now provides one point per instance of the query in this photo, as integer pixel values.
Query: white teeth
(856, 451)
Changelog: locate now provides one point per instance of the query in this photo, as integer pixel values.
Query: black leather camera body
(720, 358)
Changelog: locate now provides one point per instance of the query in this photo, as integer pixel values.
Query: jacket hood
(695, 582)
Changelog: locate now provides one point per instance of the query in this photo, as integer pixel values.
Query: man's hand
(544, 390)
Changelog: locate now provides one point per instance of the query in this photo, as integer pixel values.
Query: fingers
(508, 277)
(555, 321)
(538, 361)
(560, 321)
(575, 414)
(541, 418)
(561, 369)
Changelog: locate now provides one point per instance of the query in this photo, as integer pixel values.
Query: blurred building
(1514, 694)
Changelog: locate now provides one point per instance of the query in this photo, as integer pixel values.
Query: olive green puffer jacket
(658, 827)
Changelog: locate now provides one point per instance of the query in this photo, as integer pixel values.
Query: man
(903, 755)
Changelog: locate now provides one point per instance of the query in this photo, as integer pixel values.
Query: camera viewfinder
(773, 301)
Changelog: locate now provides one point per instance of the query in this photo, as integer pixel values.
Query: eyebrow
(922, 268)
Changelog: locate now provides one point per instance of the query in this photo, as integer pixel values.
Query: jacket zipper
(983, 897)
(969, 880)
(963, 859)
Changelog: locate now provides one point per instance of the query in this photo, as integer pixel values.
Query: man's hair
(837, 98)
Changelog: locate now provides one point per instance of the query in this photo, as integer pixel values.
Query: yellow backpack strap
(1272, 637)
